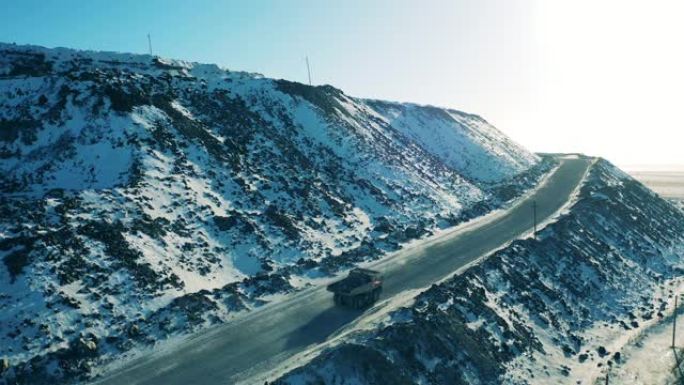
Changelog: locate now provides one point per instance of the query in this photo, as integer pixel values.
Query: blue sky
(556, 76)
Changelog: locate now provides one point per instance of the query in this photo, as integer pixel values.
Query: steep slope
(142, 196)
(464, 141)
(553, 310)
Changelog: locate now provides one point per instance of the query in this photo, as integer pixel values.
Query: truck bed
(357, 278)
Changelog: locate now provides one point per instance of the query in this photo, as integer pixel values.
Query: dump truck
(361, 288)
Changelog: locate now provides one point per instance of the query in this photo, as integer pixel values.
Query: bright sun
(610, 78)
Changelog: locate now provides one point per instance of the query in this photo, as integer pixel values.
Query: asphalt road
(224, 354)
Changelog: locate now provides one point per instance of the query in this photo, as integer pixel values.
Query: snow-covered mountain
(554, 310)
(143, 197)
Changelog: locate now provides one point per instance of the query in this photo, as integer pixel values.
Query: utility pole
(149, 43)
(674, 322)
(609, 366)
(534, 217)
(308, 69)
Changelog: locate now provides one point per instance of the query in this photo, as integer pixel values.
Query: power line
(674, 322)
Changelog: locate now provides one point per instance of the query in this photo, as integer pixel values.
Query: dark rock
(4, 364)
(134, 330)
(225, 223)
(602, 352)
(617, 357)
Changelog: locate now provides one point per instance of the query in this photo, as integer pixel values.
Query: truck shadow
(319, 328)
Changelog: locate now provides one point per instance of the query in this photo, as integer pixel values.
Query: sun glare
(610, 77)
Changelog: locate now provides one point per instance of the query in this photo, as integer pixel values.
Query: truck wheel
(367, 299)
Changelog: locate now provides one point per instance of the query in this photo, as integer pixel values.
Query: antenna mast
(149, 43)
(308, 69)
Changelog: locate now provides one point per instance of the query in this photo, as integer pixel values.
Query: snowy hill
(143, 197)
(556, 310)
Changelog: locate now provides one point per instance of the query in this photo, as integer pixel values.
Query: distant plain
(668, 183)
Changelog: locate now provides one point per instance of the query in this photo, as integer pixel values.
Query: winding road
(269, 335)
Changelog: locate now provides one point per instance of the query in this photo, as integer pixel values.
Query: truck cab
(361, 288)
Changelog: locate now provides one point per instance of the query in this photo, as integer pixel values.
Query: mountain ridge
(145, 197)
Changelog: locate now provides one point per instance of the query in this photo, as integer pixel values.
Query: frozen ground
(309, 318)
(143, 198)
(559, 309)
(649, 358)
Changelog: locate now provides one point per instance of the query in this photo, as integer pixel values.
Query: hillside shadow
(319, 328)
